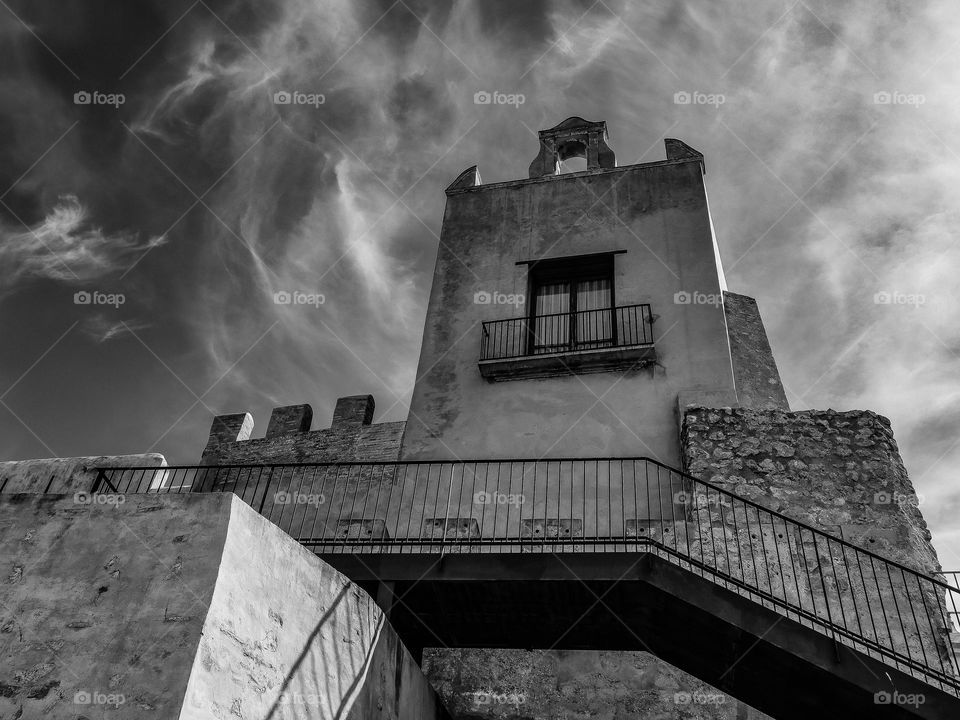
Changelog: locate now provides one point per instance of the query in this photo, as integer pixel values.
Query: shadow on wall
(294, 684)
(287, 636)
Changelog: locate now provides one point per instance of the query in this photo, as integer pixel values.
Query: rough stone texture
(351, 437)
(289, 419)
(66, 475)
(159, 606)
(353, 410)
(379, 442)
(840, 472)
(231, 428)
(539, 685)
(755, 371)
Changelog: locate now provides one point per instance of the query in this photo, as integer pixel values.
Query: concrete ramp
(189, 606)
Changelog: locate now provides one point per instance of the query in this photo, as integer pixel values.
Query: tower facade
(575, 314)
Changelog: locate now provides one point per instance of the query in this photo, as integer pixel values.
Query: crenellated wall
(352, 436)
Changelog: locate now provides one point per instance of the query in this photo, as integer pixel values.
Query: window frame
(571, 270)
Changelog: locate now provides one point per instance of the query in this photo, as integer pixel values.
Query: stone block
(230, 428)
(551, 528)
(289, 420)
(450, 528)
(352, 411)
(362, 529)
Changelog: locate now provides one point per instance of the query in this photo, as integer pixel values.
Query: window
(572, 306)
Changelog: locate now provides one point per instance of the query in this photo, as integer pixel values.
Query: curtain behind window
(594, 319)
(551, 326)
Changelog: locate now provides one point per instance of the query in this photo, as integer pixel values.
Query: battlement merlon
(352, 436)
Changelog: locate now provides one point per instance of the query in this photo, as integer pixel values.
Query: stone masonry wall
(351, 437)
(755, 372)
(840, 472)
(573, 685)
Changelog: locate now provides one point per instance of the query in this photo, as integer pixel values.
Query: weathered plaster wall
(159, 606)
(66, 475)
(486, 231)
(286, 636)
(501, 684)
(103, 601)
(754, 369)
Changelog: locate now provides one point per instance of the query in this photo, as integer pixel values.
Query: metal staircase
(467, 528)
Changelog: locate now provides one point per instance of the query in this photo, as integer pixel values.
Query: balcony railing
(596, 505)
(619, 327)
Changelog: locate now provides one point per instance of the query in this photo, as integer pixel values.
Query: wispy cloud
(102, 329)
(64, 246)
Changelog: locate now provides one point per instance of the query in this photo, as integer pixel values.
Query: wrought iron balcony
(629, 505)
(566, 342)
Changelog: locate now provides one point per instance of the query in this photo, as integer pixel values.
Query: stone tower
(575, 314)
(586, 315)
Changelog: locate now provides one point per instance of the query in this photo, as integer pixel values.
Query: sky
(156, 193)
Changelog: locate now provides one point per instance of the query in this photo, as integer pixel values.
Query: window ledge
(567, 363)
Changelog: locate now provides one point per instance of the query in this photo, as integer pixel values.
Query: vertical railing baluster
(532, 515)
(853, 595)
(763, 551)
(916, 623)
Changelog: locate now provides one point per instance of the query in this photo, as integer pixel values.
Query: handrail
(610, 327)
(634, 458)
(606, 504)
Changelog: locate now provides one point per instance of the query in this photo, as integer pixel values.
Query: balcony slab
(567, 363)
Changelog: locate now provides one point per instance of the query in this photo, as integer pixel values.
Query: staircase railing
(855, 596)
